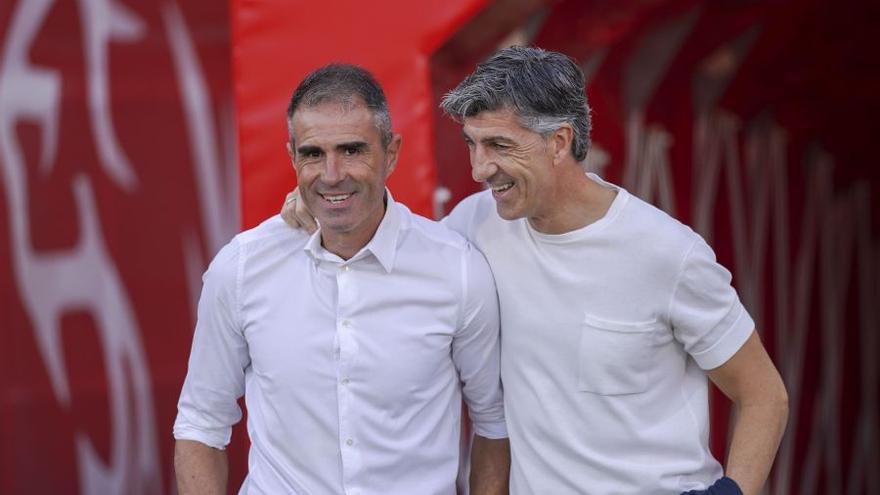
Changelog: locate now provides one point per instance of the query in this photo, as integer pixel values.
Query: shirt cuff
(492, 430)
(727, 345)
(216, 439)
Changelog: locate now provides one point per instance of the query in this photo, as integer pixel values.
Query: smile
(336, 198)
(502, 187)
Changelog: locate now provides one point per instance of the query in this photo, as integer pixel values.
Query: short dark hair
(342, 82)
(544, 89)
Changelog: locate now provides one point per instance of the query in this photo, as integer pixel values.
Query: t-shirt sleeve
(208, 406)
(707, 316)
(461, 218)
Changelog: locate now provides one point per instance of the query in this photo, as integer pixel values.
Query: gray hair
(342, 83)
(544, 89)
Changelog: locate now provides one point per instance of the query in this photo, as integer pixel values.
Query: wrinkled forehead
(333, 121)
(502, 121)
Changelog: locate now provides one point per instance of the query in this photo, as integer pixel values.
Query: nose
(333, 172)
(482, 166)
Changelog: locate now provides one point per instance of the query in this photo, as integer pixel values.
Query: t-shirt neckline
(616, 205)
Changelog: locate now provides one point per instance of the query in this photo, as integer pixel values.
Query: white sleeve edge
(731, 342)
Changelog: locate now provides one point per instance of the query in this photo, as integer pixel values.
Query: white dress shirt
(352, 371)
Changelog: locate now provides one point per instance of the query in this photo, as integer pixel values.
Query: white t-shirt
(353, 371)
(605, 333)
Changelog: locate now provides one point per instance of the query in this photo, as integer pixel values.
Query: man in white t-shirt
(613, 313)
(352, 353)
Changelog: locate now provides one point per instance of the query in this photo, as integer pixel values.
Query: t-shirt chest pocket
(616, 358)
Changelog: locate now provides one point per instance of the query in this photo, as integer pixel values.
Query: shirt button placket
(344, 393)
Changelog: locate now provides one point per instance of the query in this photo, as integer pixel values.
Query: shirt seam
(698, 427)
(239, 275)
(462, 311)
(447, 237)
(678, 277)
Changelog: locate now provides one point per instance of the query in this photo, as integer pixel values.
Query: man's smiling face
(341, 166)
(514, 161)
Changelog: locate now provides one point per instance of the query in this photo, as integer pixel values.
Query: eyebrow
(306, 149)
(310, 148)
(497, 139)
(358, 145)
(489, 139)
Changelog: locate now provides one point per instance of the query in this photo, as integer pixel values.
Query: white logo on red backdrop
(84, 276)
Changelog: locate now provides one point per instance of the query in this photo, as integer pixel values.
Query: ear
(392, 153)
(292, 156)
(560, 142)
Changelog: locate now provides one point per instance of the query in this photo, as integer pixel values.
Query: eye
(309, 154)
(352, 150)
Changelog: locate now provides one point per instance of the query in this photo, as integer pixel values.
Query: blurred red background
(137, 137)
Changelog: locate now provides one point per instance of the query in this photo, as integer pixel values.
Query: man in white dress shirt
(351, 350)
(613, 313)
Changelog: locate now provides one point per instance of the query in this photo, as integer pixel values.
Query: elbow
(776, 403)
(776, 397)
(782, 403)
(771, 398)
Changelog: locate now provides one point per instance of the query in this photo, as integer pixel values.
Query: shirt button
(346, 323)
(345, 381)
(346, 268)
(349, 442)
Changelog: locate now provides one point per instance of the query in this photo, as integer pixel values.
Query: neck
(346, 244)
(342, 246)
(577, 202)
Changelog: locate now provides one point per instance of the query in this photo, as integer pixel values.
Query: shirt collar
(383, 245)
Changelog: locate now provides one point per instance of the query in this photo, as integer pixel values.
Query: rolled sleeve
(208, 406)
(707, 316)
(476, 351)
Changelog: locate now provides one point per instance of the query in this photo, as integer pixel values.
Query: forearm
(758, 428)
(490, 466)
(200, 469)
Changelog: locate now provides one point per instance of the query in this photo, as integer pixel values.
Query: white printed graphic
(647, 170)
(84, 277)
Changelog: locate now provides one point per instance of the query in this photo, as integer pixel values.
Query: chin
(508, 213)
(333, 222)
